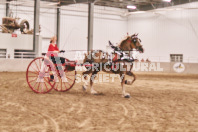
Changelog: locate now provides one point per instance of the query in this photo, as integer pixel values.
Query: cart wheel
(38, 75)
(70, 74)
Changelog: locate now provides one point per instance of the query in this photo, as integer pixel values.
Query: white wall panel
(108, 25)
(73, 32)
(48, 22)
(48, 26)
(10, 43)
(107, 29)
(167, 32)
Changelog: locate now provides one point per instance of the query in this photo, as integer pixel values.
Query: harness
(123, 56)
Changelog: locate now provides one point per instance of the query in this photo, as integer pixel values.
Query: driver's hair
(52, 39)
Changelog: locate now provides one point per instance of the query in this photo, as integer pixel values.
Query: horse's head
(135, 43)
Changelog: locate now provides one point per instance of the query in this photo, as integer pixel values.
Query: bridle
(134, 40)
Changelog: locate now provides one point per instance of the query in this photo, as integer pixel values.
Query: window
(176, 57)
(2, 53)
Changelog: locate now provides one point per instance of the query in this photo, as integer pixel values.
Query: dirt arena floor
(158, 103)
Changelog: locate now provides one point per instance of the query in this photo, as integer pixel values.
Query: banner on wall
(179, 67)
(14, 35)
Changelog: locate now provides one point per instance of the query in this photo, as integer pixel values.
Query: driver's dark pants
(58, 61)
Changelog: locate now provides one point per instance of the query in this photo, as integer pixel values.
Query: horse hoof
(84, 88)
(127, 96)
(94, 92)
(97, 94)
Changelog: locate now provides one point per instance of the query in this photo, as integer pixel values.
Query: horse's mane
(123, 41)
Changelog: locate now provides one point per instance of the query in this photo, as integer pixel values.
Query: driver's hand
(62, 51)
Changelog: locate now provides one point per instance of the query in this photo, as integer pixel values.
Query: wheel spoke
(47, 81)
(33, 68)
(34, 72)
(34, 84)
(38, 86)
(32, 76)
(65, 85)
(57, 85)
(40, 63)
(37, 66)
(41, 87)
(61, 85)
(32, 80)
(70, 79)
(46, 86)
(69, 84)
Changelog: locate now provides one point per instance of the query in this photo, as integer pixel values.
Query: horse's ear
(110, 43)
(133, 35)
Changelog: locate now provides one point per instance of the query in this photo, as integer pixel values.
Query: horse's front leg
(92, 81)
(130, 73)
(124, 94)
(85, 85)
(130, 82)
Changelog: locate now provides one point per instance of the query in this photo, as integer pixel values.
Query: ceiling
(142, 5)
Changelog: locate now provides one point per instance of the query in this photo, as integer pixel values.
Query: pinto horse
(116, 66)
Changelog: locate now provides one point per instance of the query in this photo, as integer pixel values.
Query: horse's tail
(87, 58)
(110, 43)
(113, 47)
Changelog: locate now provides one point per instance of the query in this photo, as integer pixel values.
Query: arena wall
(19, 42)
(109, 24)
(23, 42)
(170, 31)
(14, 65)
(163, 32)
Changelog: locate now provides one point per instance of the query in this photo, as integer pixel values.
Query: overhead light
(131, 7)
(137, 12)
(53, 3)
(167, 0)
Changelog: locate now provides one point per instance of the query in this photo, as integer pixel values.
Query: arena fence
(2, 54)
(25, 55)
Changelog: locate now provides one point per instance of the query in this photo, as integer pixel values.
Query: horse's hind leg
(85, 85)
(130, 82)
(134, 78)
(129, 72)
(124, 94)
(91, 82)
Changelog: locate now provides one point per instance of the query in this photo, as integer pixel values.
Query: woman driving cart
(52, 54)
